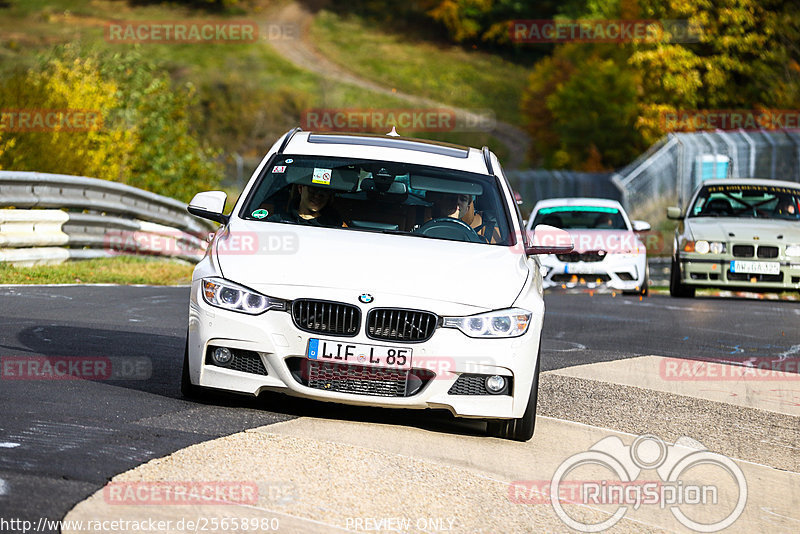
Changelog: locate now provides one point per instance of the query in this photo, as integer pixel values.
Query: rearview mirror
(209, 205)
(550, 240)
(673, 212)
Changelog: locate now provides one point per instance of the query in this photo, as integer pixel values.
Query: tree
(143, 138)
(581, 108)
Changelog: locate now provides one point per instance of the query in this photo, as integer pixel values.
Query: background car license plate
(756, 267)
(325, 350)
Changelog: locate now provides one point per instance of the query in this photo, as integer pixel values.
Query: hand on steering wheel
(449, 228)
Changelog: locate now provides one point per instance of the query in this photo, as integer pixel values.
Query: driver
(786, 208)
(460, 206)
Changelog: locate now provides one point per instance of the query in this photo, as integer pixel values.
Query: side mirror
(518, 198)
(673, 212)
(550, 240)
(209, 205)
(640, 226)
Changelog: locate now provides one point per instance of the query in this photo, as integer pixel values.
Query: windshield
(749, 201)
(379, 196)
(581, 217)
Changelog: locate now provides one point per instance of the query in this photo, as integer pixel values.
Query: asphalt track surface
(61, 440)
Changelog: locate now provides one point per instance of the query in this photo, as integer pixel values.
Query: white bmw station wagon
(373, 270)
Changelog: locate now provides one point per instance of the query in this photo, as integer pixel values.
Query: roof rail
(289, 138)
(487, 158)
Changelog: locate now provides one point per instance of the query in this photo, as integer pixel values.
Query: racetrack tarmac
(62, 440)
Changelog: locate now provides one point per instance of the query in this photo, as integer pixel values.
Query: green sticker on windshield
(259, 214)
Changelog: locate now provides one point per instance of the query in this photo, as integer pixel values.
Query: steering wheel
(449, 228)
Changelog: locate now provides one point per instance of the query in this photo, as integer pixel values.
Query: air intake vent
(767, 252)
(743, 251)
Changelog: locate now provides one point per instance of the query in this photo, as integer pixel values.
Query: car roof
(750, 181)
(580, 201)
(388, 148)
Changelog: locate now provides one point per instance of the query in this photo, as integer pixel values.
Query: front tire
(676, 288)
(519, 429)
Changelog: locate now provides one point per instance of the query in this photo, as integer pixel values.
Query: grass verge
(449, 74)
(121, 270)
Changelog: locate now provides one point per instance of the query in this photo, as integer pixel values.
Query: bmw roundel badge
(366, 298)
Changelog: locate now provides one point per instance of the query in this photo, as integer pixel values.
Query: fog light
(221, 355)
(495, 384)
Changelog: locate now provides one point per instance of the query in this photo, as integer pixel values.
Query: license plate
(325, 350)
(756, 267)
(583, 269)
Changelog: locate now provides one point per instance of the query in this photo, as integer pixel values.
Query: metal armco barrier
(95, 218)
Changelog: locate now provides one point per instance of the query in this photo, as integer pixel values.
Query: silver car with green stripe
(738, 234)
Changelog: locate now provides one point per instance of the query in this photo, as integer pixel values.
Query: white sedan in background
(607, 253)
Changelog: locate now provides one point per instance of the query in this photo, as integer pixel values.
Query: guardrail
(94, 218)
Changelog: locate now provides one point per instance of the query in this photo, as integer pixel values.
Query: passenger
(313, 206)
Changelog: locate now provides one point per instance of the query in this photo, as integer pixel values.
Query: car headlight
(704, 247)
(229, 296)
(501, 323)
(793, 250)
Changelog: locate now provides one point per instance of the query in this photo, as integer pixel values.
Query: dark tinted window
(581, 217)
(747, 201)
(368, 195)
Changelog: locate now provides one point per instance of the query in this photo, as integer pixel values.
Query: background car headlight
(704, 247)
(793, 250)
(501, 323)
(717, 247)
(229, 296)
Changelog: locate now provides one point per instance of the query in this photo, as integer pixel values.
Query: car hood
(484, 276)
(721, 228)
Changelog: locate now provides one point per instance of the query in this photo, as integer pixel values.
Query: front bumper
(279, 345)
(715, 272)
(615, 271)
